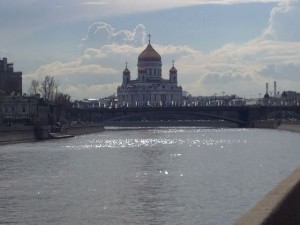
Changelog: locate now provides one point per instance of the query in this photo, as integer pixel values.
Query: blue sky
(231, 46)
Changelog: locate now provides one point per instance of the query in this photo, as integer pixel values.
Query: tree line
(48, 88)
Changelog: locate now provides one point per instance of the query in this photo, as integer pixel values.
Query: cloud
(224, 78)
(40, 13)
(76, 73)
(101, 33)
(283, 71)
(234, 68)
(241, 68)
(81, 91)
(21, 19)
(284, 22)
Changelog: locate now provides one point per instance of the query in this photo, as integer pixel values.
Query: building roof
(173, 69)
(149, 54)
(126, 71)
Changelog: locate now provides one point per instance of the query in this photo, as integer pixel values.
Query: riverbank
(20, 133)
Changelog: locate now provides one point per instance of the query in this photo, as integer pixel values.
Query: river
(161, 176)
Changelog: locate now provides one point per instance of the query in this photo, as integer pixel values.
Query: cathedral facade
(150, 88)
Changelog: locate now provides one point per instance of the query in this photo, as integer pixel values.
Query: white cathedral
(149, 89)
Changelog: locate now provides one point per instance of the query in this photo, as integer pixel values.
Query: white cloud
(284, 21)
(81, 91)
(248, 61)
(73, 74)
(101, 33)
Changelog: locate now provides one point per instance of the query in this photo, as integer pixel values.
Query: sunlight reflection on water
(203, 139)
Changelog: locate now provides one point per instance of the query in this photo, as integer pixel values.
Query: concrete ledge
(292, 126)
(281, 206)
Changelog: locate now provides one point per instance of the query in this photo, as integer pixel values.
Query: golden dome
(149, 54)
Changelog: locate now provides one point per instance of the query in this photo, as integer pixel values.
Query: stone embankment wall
(16, 134)
(84, 129)
(281, 206)
(290, 126)
(267, 124)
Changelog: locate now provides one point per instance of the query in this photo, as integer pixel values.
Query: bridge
(243, 116)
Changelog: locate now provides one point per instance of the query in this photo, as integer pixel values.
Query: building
(149, 89)
(18, 109)
(10, 81)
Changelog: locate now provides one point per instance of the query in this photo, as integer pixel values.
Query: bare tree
(34, 87)
(63, 104)
(48, 88)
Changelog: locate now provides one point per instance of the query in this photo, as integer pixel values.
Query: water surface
(156, 176)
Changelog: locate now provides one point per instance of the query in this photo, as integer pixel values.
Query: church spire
(126, 70)
(149, 38)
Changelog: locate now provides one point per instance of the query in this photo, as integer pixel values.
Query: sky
(219, 46)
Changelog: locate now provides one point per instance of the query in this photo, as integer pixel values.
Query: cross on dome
(149, 53)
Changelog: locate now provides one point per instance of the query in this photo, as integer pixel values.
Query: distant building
(18, 109)
(86, 104)
(149, 89)
(10, 81)
(106, 102)
(225, 100)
